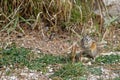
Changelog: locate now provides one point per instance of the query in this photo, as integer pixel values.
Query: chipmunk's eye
(87, 38)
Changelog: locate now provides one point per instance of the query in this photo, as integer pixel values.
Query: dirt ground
(58, 45)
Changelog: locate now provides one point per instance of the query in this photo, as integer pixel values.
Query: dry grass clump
(52, 12)
(56, 15)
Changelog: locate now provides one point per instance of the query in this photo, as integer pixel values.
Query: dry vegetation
(47, 18)
(56, 14)
(50, 17)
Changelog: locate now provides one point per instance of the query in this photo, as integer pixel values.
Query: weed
(46, 60)
(70, 71)
(108, 59)
(50, 59)
(96, 71)
(117, 78)
(20, 57)
(14, 56)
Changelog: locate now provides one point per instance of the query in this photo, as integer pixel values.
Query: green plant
(70, 71)
(14, 56)
(108, 59)
(117, 78)
(51, 59)
(96, 71)
(45, 60)
(20, 57)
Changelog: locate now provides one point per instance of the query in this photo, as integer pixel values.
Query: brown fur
(88, 47)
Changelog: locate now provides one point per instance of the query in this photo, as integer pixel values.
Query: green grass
(96, 70)
(46, 60)
(108, 59)
(20, 57)
(14, 56)
(117, 78)
(71, 71)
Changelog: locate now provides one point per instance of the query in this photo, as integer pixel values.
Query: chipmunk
(88, 48)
